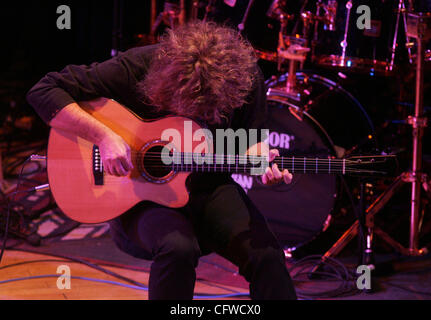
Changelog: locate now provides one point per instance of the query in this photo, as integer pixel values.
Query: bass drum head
(298, 212)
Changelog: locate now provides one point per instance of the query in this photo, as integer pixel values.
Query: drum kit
(310, 48)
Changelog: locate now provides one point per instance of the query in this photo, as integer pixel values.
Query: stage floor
(30, 265)
(411, 281)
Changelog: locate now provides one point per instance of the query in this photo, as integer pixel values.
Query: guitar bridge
(97, 167)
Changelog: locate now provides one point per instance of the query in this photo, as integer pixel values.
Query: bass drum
(332, 123)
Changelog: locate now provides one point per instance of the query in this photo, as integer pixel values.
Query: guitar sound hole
(153, 164)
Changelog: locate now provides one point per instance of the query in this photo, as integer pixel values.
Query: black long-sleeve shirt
(117, 79)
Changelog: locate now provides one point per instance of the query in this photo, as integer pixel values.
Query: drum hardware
(244, 18)
(308, 126)
(365, 51)
(296, 55)
(325, 13)
(194, 10)
(344, 43)
(283, 97)
(292, 54)
(292, 49)
(315, 31)
(172, 15)
(401, 10)
(301, 11)
(276, 10)
(208, 9)
(308, 19)
(418, 27)
(331, 13)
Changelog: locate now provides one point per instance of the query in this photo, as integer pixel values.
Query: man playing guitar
(206, 73)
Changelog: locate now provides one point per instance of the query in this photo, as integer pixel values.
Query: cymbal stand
(418, 27)
(241, 25)
(400, 11)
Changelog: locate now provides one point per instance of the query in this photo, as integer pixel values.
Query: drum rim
(314, 77)
(363, 65)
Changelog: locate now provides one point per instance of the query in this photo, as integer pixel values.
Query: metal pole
(417, 148)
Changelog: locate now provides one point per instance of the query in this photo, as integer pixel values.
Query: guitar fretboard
(188, 162)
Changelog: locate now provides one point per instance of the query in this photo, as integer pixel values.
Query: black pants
(222, 221)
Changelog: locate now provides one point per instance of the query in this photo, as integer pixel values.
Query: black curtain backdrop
(32, 45)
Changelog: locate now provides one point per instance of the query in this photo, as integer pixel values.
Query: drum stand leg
(369, 228)
(416, 177)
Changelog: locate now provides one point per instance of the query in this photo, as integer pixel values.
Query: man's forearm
(115, 152)
(74, 119)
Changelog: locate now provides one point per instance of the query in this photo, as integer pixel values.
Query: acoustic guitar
(85, 193)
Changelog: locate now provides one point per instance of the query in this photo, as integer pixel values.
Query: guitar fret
(180, 164)
(215, 162)
(236, 163)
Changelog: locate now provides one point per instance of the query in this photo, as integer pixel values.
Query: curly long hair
(200, 70)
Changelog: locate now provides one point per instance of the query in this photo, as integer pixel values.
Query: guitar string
(376, 157)
(301, 165)
(113, 178)
(242, 159)
(295, 165)
(190, 156)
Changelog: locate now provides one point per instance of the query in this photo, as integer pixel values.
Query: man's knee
(178, 248)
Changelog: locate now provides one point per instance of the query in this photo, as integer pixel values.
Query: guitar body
(73, 178)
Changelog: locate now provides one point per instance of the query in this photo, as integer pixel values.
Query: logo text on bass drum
(279, 140)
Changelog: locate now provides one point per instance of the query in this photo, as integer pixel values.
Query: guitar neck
(187, 162)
